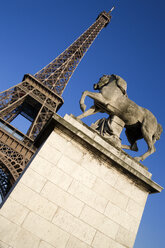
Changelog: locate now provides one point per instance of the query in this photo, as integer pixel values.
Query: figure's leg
(91, 111)
(95, 96)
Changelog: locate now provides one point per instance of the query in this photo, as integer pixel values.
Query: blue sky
(133, 46)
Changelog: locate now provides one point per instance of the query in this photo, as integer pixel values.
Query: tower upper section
(57, 74)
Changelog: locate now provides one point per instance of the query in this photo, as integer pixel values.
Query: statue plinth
(110, 129)
(79, 190)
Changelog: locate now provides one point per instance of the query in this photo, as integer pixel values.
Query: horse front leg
(91, 111)
(82, 100)
(95, 96)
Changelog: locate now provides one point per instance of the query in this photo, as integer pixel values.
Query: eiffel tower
(37, 98)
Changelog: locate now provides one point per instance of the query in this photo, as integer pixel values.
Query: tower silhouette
(37, 98)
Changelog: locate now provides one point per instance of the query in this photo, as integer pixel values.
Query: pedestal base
(79, 191)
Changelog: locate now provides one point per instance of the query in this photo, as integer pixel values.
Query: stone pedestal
(110, 129)
(79, 191)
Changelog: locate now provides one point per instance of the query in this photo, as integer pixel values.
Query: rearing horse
(112, 99)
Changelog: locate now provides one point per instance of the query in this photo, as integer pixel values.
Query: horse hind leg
(133, 142)
(130, 147)
(150, 142)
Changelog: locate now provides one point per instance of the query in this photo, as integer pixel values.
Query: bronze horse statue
(113, 100)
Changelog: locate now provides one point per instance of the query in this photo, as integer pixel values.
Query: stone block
(110, 193)
(106, 145)
(44, 244)
(57, 141)
(102, 241)
(73, 152)
(99, 168)
(14, 211)
(129, 188)
(8, 230)
(45, 230)
(50, 153)
(74, 226)
(76, 171)
(139, 195)
(80, 126)
(52, 173)
(33, 180)
(124, 185)
(119, 216)
(76, 243)
(134, 226)
(99, 222)
(125, 237)
(59, 178)
(88, 196)
(41, 166)
(142, 170)
(25, 239)
(134, 209)
(62, 198)
(34, 201)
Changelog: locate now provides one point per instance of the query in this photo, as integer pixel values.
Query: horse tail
(158, 132)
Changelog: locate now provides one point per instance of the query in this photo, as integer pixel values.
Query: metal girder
(57, 74)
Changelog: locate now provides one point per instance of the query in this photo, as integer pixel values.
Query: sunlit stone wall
(75, 195)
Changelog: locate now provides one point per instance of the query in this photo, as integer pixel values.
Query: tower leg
(42, 118)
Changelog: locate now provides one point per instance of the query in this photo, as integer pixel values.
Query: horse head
(104, 80)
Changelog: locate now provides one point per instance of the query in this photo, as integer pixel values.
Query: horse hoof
(137, 158)
(83, 107)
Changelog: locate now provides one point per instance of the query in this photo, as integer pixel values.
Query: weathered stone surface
(99, 168)
(88, 196)
(78, 172)
(110, 193)
(119, 216)
(33, 180)
(73, 152)
(45, 230)
(125, 237)
(62, 199)
(25, 239)
(50, 153)
(101, 241)
(74, 226)
(51, 172)
(134, 209)
(60, 143)
(15, 236)
(44, 244)
(100, 222)
(120, 157)
(76, 243)
(77, 192)
(127, 187)
(17, 215)
(8, 230)
(35, 202)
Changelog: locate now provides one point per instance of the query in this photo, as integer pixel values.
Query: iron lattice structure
(37, 98)
(57, 74)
